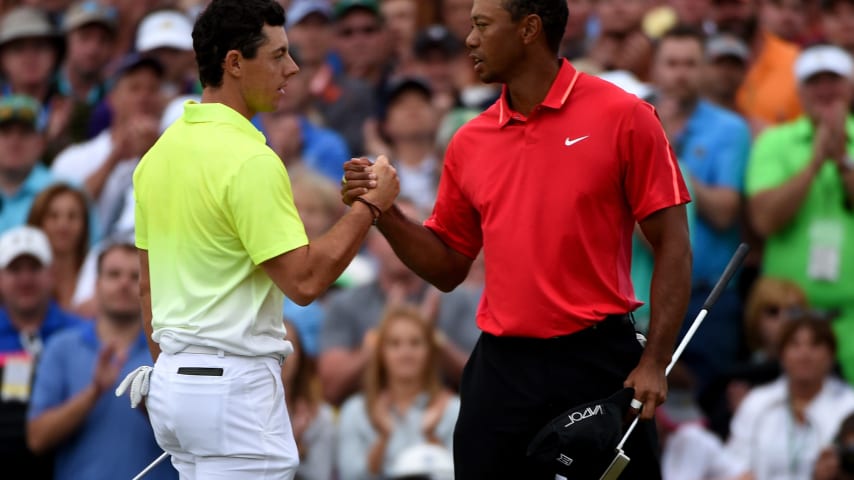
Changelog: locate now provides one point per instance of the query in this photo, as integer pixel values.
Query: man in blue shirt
(73, 410)
(22, 177)
(28, 318)
(712, 145)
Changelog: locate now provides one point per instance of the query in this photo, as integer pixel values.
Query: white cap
(166, 28)
(823, 59)
(24, 240)
(425, 459)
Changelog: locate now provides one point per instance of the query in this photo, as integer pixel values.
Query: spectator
(28, 319)
(713, 145)
(769, 92)
(787, 19)
(401, 19)
(780, 428)
(403, 402)
(312, 420)
(90, 35)
(800, 186)
(22, 176)
(622, 43)
(74, 411)
(104, 165)
(724, 69)
(772, 302)
(167, 35)
(578, 37)
(348, 335)
(30, 51)
(61, 212)
(836, 462)
(363, 41)
(436, 53)
(410, 124)
(344, 103)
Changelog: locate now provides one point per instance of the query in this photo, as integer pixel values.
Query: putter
(621, 459)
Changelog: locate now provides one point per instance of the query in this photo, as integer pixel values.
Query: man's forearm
(57, 424)
(771, 210)
(669, 296)
(423, 252)
(719, 206)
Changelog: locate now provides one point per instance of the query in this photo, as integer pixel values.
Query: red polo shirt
(552, 199)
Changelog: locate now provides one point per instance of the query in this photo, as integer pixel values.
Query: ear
(231, 64)
(531, 27)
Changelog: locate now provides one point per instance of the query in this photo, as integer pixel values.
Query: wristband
(375, 210)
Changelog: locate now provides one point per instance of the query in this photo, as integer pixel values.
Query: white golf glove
(137, 380)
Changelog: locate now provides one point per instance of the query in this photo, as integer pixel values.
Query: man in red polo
(550, 182)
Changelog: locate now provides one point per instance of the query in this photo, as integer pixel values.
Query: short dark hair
(553, 13)
(113, 245)
(683, 32)
(819, 328)
(231, 25)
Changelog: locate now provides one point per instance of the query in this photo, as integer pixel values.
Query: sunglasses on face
(352, 31)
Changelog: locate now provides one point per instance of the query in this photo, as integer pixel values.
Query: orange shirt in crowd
(769, 92)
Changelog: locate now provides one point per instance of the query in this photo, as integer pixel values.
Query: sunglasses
(352, 31)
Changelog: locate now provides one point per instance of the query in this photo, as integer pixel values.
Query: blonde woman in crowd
(403, 402)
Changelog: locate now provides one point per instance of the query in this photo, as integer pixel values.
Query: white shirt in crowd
(766, 440)
(692, 452)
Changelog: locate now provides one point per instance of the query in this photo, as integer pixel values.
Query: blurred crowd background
(755, 96)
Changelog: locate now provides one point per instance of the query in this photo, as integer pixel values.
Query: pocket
(199, 404)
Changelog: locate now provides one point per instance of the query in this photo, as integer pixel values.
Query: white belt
(198, 349)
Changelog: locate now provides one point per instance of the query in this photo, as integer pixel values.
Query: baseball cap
(303, 8)
(343, 7)
(581, 442)
(89, 12)
(424, 460)
(25, 22)
(20, 109)
(436, 38)
(724, 45)
(823, 59)
(132, 61)
(165, 29)
(24, 240)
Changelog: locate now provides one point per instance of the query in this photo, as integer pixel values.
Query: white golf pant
(231, 425)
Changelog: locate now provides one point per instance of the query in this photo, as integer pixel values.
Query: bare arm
(772, 209)
(719, 206)
(303, 274)
(667, 232)
(418, 247)
(94, 183)
(145, 297)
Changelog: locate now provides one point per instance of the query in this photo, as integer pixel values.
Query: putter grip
(729, 271)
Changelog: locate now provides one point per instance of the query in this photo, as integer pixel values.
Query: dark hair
(819, 328)
(41, 206)
(231, 25)
(114, 245)
(683, 32)
(553, 14)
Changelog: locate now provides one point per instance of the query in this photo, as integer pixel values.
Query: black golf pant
(512, 387)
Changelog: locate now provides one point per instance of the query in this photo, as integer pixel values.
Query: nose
(291, 67)
(472, 39)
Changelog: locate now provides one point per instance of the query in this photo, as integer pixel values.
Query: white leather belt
(198, 349)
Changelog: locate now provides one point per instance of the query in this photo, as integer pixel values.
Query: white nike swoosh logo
(572, 142)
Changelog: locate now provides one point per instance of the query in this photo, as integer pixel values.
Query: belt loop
(220, 353)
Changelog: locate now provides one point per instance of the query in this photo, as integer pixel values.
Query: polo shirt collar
(555, 99)
(195, 112)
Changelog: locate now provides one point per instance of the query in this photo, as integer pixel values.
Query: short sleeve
(261, 205)
(735, 150)
(455, 220)
(652, 178)
(48, 385)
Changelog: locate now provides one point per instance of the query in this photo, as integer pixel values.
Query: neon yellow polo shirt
(212, 203)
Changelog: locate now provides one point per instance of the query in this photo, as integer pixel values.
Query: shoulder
(724, 118)
(352, 409)
(67, 338)
(79, 153)
(782, 135)
(764, 396)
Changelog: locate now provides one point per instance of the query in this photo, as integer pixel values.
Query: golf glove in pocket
(138, 381)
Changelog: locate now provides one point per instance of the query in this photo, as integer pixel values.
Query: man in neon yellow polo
(220, 240)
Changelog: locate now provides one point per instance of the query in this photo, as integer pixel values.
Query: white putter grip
(621, 460)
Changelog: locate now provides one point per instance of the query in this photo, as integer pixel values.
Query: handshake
(377, 182)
